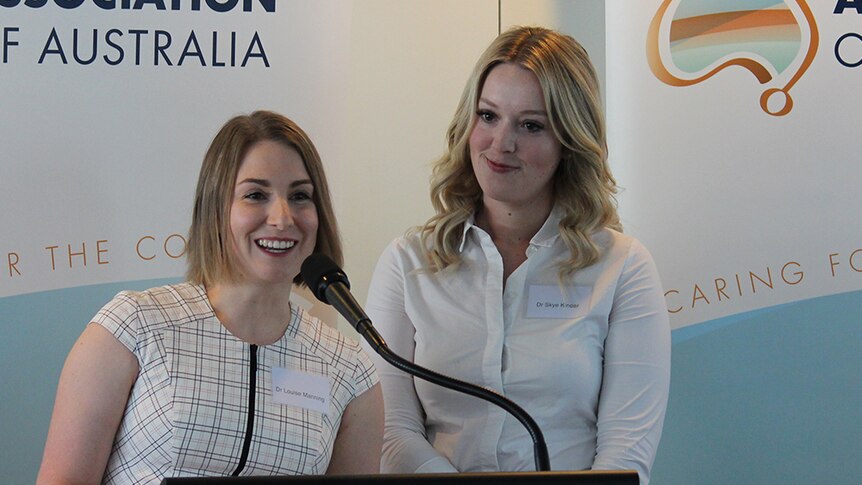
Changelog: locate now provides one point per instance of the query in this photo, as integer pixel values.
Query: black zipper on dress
(249, 428)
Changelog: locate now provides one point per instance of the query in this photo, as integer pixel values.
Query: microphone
(330, 285)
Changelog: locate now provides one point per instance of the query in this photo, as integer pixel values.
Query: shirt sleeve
(636, 376)
(120, 317)
(364, 373)
(405, 445)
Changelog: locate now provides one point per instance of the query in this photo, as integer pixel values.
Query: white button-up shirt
(588, 358)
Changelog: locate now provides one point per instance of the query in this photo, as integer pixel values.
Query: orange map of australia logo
(690, 41)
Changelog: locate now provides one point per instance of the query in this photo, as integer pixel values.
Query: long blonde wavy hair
(583, 185)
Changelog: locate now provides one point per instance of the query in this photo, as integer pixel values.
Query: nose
(505, 139)
(280, 216)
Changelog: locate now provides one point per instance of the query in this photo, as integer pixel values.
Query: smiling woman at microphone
(223, 375)
(523, 283)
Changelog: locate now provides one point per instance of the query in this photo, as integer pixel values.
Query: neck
(255, 314)
(509, 225)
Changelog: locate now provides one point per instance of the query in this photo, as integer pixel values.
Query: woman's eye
(255, 196)
(486, 116)
(301, 196)
(532, 126)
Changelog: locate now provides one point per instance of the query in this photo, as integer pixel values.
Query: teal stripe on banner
(697, 331)
(36, 332)
(770, 396)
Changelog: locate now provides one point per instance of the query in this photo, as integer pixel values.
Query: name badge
(296, 388)
(555, 301)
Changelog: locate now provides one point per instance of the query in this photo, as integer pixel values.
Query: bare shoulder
(359, 441)
(91, 397)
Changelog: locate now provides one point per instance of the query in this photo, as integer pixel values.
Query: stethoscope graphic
(782, 102)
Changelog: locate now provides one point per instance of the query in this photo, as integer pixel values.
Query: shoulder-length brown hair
(583, 185)
(210, 259)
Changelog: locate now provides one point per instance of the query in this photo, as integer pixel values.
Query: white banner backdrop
(107, 112)
(751, 211)
(742, 209)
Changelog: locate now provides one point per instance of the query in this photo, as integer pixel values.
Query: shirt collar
(468, 224)
(547, 235)
(550, 230)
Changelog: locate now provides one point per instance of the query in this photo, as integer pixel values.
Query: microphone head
(319, 271)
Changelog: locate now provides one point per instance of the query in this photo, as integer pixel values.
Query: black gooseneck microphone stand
(330, 285)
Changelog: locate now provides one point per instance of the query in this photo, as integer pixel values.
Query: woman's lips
(499, 167)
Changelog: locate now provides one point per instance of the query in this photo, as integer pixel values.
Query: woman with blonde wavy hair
(523, 282)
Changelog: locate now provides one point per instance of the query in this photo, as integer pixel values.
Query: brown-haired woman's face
(273, 218)
(513, 149)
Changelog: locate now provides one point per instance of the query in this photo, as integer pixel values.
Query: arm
(91, 397)
(636, 376)
(405, 446)
(360, 436)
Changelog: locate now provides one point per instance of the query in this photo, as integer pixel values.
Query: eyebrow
(266, 183)
(540, 112)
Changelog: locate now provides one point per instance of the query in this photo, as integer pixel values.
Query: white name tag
(554, 301)
(295, 388)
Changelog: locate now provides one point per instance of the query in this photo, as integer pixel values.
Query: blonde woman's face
(513, 149)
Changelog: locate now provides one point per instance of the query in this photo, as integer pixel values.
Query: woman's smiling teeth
(275, 245)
